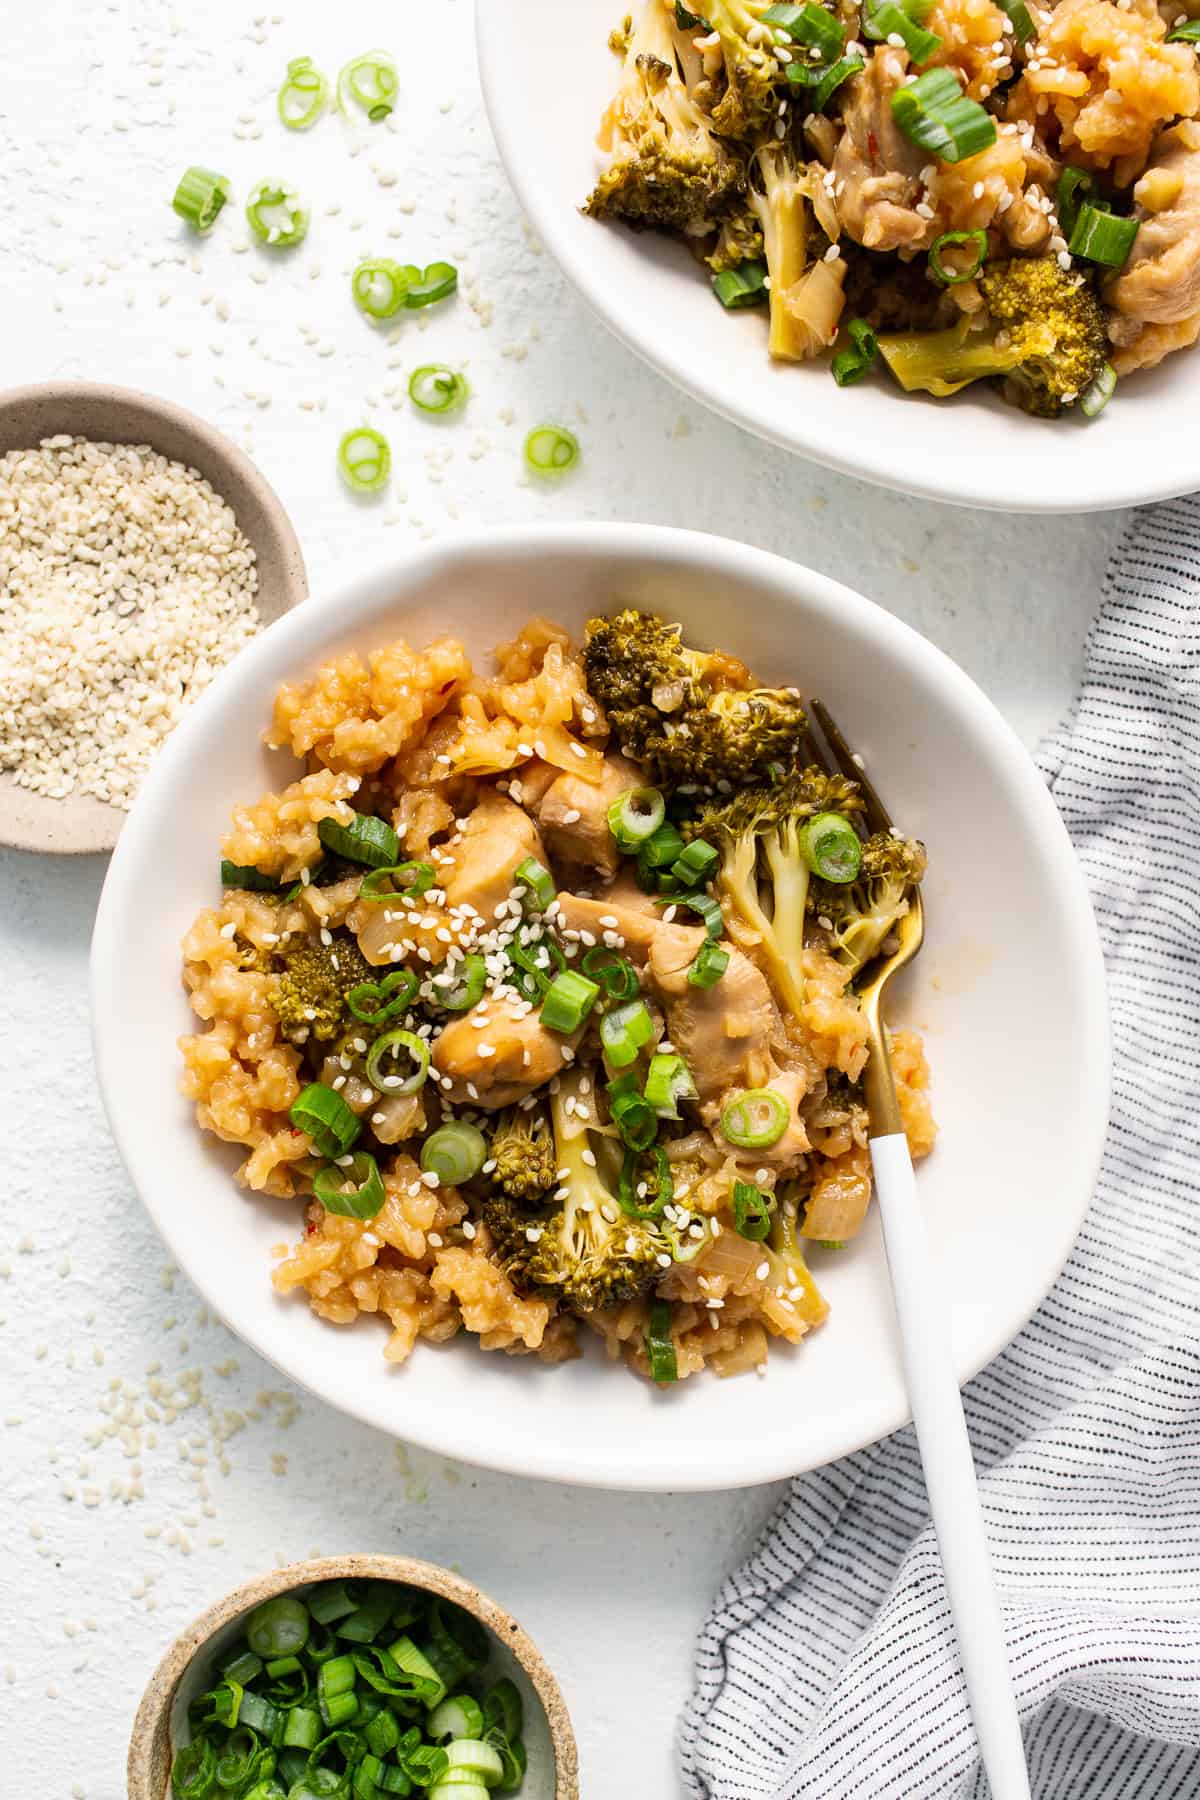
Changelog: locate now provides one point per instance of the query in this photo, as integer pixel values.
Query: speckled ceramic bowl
(115, 415)
(553, 1772)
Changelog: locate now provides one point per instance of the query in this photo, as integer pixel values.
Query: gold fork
(933, 1394)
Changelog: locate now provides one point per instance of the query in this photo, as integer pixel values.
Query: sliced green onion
(278, 1627)
(435, 388)
(335, 1685)
(503, 1709)
(824, 82)
(365, 459)
(632, 1114)
(199, 197)
(1022, 23)
(458, 1644)
(624, 1032)
(935, 114)
(374, 1001)
(275, 214)
(351, 1187)
(458, 1717)
(952, 277)
(831, 847)
(454, 1152)
(744, 286)
(1075, 186)
(365, 840)
(755, 1118)
(616, 975)
(334, 1600)
(326, 1118)
(664, 1365)
(656, 1199)
(751, 1211)
(381, 1062)
(668, 1081)
(635, 815)
(364, 1624)
(710, 964)
(380, 286)
(684, 1245)
(696, 864)
(1185, 34)
(460, 988)
(534, 965)
(476, 1756)
(849, 366)
(1101, 236)
(703, 904)
(303, 94)
(194, 1771)
(537, 881)
(437, 282)
(371, 81)
(383, 1734)
(242, 1668)
(551, 450)
(302, 1728)
(809, 25)
(1096, 396)
(888, 20)
(245, 875)
(414, 1662)
(569, 999)
(404, 881)
(663, 847)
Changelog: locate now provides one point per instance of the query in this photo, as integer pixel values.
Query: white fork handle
(949, 1472)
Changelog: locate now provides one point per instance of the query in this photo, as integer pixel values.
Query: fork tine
(878, 817)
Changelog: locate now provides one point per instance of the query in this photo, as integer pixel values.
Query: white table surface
(118, 1526)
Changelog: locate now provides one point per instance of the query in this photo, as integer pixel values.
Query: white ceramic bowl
(1010, 993)
(972, 449)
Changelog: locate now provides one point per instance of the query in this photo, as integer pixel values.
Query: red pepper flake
(310, 1230)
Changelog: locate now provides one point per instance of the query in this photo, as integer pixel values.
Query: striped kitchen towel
(827, 1667)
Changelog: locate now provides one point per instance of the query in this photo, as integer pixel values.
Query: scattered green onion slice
(365, 459)
(245, 875)
(569, 999)
(374, 1001)
(437, 282)
(744, 286)
(503, 1709)
(397, 881)
(1185, 34)
(703, 904)
(1101, 236)
(624, 1032)
(1096, 396)
(659, 1193)
(710, 964)
(1022, 23)
(551, 450)
(696, 864)
(303, 94)
(475, 1756)
(824, 82)
(353, 1188)
(935, 114)
(365, 839)
(634, 1117)
(200, 196)
(380, 286)
(454, 1152)
(755, 1118)
(371, 81)
(635, 815)
(1075, 186)
(849, 366)
(952, 277)
(660, 1351)
(662, 848)
(326, 1118)
(278, 1627)
(534, 965)
(537, 881)
(194, 1771)
(684, 1244)
(751, 1211)
(461, 987)
(831, 847)
(459, 1717)
(275, 214)
(382, 1056)
(435, 388)
(668, 1081)
(809, 25)
(616, 975)
(889, 20)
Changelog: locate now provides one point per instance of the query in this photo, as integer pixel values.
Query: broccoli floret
(752, 69)
(310, 988)
(689, 716)
(739, 239)
(777, 195)
(669, 172)
(522, 1148)
(763, 876)
(1042, 336)
(863, 912)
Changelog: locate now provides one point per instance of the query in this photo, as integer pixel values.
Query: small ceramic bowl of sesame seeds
(353, 1675)
(139, 551)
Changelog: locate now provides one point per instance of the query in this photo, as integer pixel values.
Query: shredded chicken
(573, 817)
(1160, 284)
(876, 170)
(500, 1050)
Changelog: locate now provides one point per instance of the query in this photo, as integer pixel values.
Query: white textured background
(147, 1461)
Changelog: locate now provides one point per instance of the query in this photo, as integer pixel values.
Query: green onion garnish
(365, 459)
(660, 1351)
(534, 965)
(403, 881)
(551, 450)
(569, 999)
(637, 1123)
(194, 1771)
(245, 875)
(278, 1627)
(382, 1057)
(696, 864)
(352, 1186)
(435, 388)
(751, 1211)
(1101, 236)
(437, 282)
(948, 239)
(616, 975)
(849, 366)
(809, 25)
(503, 1710)
(275, 214)
(538, 883)
(387, 998)
(380, 286)
(365, 840)
(744, 286)
(1074, 187)
(635, 816)
(710, 964)
(624, 1032)
(327, 1119)
(668, 1081)
(662, 848)
(1185, 34)
(704, 904)
(1096, 396)
(1022, 23)
(303, 94)
(459, 988)
(824, 82)
(935, 114)
(889, 20)
(454, 1152)
(371, 81)
(831, 847)
(755, 1118)
(200, 196)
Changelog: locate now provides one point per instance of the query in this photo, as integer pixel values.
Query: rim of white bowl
(306, 630)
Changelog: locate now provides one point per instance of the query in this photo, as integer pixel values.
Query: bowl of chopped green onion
(353, 1678)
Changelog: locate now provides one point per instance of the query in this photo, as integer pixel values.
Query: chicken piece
(573, 818)
(876, 170)
(1147, 345)
(1160, 283)
(632, 915)
(502, 1051)
(724, 1032)
(791, 1145)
